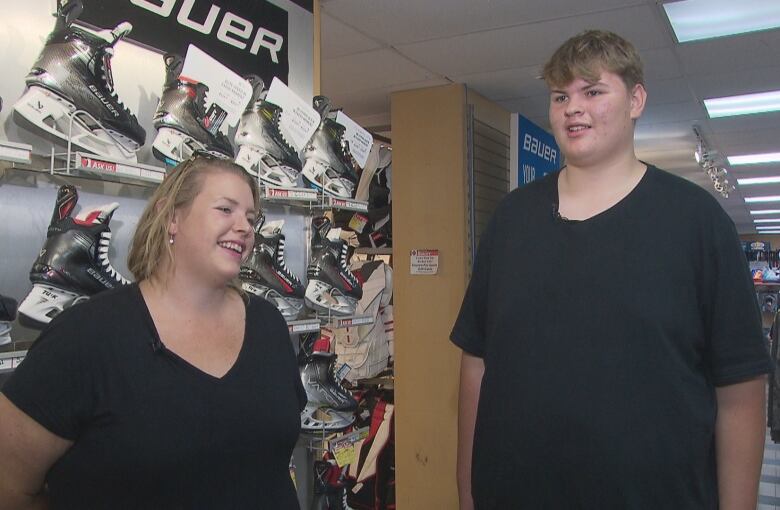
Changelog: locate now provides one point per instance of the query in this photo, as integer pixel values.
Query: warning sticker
(424, 261)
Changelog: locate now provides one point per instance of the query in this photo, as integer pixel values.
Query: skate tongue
(272, 228)
(98, 215)
(334, 234)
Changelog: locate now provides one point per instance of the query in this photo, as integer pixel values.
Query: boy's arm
(472, 369)
(740, 429)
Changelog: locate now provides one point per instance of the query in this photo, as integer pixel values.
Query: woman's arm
(27, 451)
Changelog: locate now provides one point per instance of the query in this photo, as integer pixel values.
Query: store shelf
(15, 152)
(102, 166)
(374, 251)
(11, 360)
(303, 326)
(292, 196)
(346, 204)
(348, 322)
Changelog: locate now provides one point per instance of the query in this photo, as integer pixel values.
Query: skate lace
(104, 243)
(282, 138)
(106, 76)
(344, 266)
(281, 262)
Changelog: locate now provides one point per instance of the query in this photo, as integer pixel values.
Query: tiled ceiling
(371, 48)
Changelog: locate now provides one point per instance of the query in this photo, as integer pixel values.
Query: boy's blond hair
(589, 53)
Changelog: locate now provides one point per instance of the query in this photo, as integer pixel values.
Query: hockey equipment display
(266, 274)
(329, 165)
(181, 120)
(73, 263)
(70, 90)
(262, 149)
(7, 316)
(332, 288)
(330, 406)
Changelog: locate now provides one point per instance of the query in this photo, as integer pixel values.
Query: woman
(173, 392)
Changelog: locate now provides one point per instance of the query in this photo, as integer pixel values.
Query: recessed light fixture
(743, 105)
(693, 20)
(765, 211)
(759, 180)
(755, 159)
(769, 198)
(766, 220)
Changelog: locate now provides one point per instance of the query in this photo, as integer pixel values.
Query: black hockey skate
(329, 165)
(330, 406)
(70, 90)
(265, 273)
(73, 263)
(263, 150)
(332, 288)
(7, 316)
(181, 122)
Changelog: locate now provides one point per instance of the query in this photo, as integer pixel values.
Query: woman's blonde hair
(150, 249)
(589, 53)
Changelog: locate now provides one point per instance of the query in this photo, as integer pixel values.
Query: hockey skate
(332, 288)
(70, 90)
(265, 273)
(7, 316)
(330, 406)
(262, 149)
(329, 165)
(181, 122)
(73, 263)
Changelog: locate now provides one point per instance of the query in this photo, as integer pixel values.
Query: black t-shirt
(603, 342)
(152, 431)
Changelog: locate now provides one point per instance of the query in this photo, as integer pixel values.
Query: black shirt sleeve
(54, 383)
(736, 347)
(469, 331)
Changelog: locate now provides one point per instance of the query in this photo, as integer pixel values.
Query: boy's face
(594, 122)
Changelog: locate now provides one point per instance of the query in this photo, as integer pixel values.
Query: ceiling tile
(748, 51)
(338, 39)
(506, 83)
(528, 45)
(405, 21)
(370, 70)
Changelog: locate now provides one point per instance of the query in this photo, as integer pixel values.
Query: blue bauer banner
(534, 151)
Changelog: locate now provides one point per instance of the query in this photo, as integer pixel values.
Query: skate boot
(181, 122)
(330, 405)
(262, 149)
(7, 316)
(265, 273)
(73, 262)
(329, 166)
(70, 90)
(332, 288)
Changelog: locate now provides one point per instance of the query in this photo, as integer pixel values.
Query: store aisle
(769, 488)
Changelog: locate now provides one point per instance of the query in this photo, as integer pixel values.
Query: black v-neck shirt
(603, 342)
(150, 429)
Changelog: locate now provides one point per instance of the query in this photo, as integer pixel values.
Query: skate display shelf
(347, 322)
(10, 360)
(388, 250)
(346, 204)
(15, 152)
(292, 196)
(103, 166)
(304, 326)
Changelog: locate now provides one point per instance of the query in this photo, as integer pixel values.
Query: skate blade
(315, 173)
(43, 303)
(266, 168)
(49, 112)
(325, 301)
(290, 308)
(173, 146)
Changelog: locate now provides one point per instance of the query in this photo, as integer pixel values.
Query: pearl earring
(170, 239)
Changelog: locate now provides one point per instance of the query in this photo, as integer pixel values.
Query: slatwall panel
(488, 154)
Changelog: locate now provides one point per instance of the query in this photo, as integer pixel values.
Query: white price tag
(424, 261)
(299, 120)
(360, 140)
(227, 89)
(6, 363)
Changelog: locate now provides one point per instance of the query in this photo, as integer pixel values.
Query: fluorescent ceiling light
(765, 211)
(754, 159)
(770, 232)
(766, 220)
(770, 198)
(692, 20)
(759, 180)
(743, 105)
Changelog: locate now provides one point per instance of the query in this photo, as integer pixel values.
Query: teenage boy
(613, 356)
